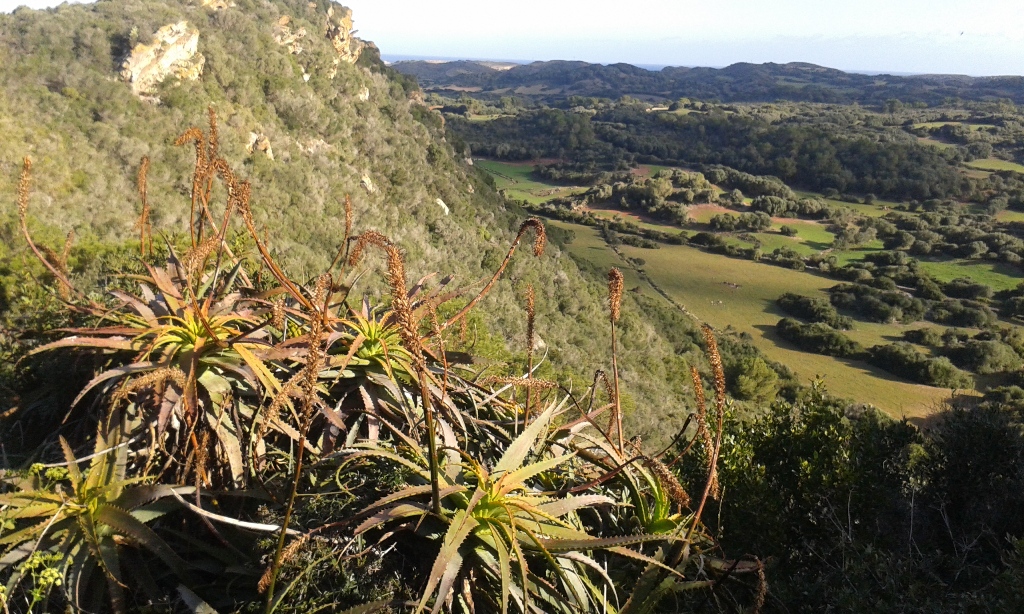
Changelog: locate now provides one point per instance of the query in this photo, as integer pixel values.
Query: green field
(517, 178)
(811, 237)
(995, 164)
(972, 127)
(878, 209)
(934, 142)
(998, 275)
(728, 292)
(706, 290)
(589, 245)
(1010, 216)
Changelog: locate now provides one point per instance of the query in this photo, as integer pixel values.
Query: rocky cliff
(339, 32)
(173, 52)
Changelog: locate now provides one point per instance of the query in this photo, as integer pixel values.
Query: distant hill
(742, 82)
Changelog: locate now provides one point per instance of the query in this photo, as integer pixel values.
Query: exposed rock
(368, 184)
(284, 35)
(260, 142)
(441, 204)
(471, 189)
(174, 52)
(364, 94)
(339, 32)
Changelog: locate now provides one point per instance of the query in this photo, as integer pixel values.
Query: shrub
(818, 338)
(985, 357)
(903, 360)
(814, 309)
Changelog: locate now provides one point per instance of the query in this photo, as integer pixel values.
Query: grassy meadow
(995, 164)
(739, 295)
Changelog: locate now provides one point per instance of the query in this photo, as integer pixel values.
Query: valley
(739, 295)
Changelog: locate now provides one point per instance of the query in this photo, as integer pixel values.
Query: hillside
(743, 82)
(308, 125)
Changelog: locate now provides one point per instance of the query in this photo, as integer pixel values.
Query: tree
(754, 380)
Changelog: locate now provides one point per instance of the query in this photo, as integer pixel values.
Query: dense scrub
(904, 360)
(868, 514)
(814, 309)
(233, 427)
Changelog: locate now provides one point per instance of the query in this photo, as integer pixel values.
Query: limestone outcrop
(368, 184)
(260, 142)
(339, 32)
(286, 37)
(174, 52)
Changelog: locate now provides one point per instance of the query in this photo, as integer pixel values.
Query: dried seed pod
(615, 284)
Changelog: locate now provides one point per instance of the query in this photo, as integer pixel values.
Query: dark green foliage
(984, 357)
(818, 338)
(931, 337)
(902, 359)
(814, 309)
(877, 305)
(955, 312)
(867, 514)
(967, 288)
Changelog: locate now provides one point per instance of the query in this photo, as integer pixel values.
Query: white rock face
(441, 204)
(339, 32)
(260, 142)
(284, 35)
(368, 184)
(364, 94)
(174, 52)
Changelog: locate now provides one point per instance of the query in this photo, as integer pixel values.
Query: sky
(975, 37)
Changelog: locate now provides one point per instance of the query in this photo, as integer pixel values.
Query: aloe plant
(178, 359)
(83, 520)
(502, 538)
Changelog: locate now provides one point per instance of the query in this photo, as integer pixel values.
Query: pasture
(740, 294)
(995, 164)
(517, 178)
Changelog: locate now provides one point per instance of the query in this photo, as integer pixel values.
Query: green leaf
(193, 602)
(505, 571)
(448, 561)
(571, 504)
(517, 452)
(128, 525)
(598, 543)
(515, 479)
(74, 473)
(367, 608)
(384, 516)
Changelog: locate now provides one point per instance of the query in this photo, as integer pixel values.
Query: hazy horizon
(391, 58)
(980, 37)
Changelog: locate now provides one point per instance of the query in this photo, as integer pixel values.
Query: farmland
(738, 295)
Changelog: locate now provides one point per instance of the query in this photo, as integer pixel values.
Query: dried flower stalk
(144, 225)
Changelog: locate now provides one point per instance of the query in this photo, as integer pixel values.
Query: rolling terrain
(737, 83)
